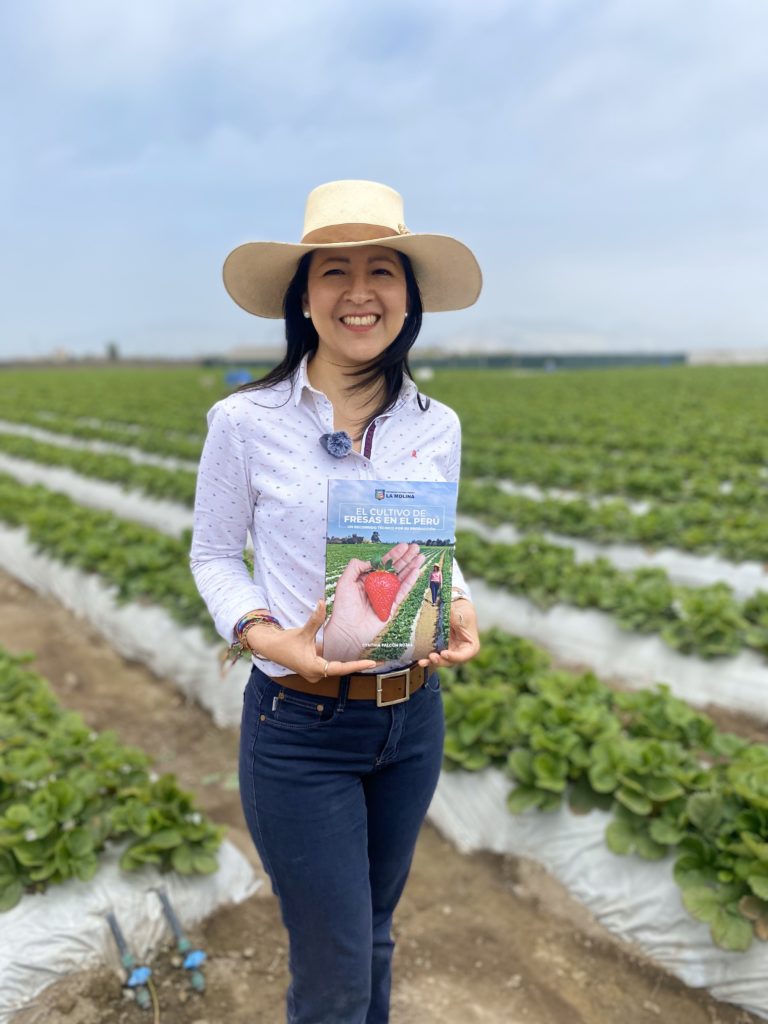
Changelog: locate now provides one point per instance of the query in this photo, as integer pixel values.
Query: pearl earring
(306, 314)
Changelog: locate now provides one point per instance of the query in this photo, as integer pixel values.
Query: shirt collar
(408, 391)
(302, 381)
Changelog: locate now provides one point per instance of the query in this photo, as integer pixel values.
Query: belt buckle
(380, 677)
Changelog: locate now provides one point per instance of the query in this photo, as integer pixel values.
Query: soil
(481, 939)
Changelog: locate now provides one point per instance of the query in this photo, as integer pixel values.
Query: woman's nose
(359, 287)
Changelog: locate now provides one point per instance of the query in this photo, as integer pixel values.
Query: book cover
(389, 556)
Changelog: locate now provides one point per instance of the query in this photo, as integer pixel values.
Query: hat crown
(352, 206)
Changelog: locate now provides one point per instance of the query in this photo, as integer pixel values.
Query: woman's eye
(383, 270)
(332, 270)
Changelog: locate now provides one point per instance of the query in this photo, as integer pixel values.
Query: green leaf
(636, 802)
(582, 798)
(620, 837)
(705, 811)
(80, 842)
(182, 860)
(10, 894)
(205, 863)
(702, 903)
(755, 846)
(732, 931)
(475, 761)
(661, 789)
(665, 832)
(759, 885)
(165, 839)
(520, 765)
(648, 849)
(550, 771)
(603, 779)
(524, 798)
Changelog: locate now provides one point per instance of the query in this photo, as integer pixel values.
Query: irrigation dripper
(193, 958)
(137, 978)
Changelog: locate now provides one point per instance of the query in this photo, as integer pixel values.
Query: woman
(338, 761)
(435, 583)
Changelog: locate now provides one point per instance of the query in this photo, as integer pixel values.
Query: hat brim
(257, 274)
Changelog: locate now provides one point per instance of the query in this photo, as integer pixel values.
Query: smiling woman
(338, 763)
(358, 292)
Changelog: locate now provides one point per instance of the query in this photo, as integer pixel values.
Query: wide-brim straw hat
(341, 214)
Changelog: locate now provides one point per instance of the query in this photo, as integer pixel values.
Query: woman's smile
(361, 323)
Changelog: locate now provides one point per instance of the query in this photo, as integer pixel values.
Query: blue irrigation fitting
(194, 958)
(136, 977)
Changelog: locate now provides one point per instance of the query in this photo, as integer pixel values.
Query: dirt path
(481, 939)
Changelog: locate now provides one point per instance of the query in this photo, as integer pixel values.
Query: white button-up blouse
(263, 470)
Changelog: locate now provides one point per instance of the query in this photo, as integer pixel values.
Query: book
(388, 565)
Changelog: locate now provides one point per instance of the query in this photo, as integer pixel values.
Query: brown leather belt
(385, 688)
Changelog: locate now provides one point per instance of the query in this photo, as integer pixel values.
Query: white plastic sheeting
(164, 516)
(591, 639)
(145, 633)
(560, 494)
(588, 639)
(635, 899)
(94, 445)
(47, 936)
(745, 578)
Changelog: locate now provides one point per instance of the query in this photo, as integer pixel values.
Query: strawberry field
(612, 524)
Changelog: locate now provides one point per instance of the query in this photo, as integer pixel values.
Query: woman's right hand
(298, 650)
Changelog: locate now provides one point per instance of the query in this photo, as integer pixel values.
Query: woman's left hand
(464, 642)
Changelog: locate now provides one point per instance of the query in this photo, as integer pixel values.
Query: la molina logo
(379, 494)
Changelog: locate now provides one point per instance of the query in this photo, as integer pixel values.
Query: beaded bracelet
(250, 618)
(239, 646)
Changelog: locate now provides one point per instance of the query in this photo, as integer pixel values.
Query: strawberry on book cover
(389, 556)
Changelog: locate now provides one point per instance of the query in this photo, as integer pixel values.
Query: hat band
(347, 233)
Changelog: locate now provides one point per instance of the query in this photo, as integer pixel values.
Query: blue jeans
(334, 792)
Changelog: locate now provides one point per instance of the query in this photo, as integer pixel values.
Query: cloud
(606, 160)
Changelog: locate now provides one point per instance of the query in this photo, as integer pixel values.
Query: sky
(606, 160)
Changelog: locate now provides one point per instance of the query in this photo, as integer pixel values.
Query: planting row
(707, 621)
(142, 563)
(677, 410)
(706, 416)
(673, 782)
(157, 482)
(666, 476)
(93, 401)
(693, 526)
(740, 535)
(66, 791)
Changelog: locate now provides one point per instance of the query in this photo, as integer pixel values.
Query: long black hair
(302, 339)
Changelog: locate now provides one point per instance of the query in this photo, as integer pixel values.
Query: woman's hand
(464, 641)
(298, 650)
(354, 624)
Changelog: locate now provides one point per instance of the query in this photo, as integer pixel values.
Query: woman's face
(356, 298)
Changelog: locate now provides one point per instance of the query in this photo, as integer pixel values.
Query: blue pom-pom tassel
(339, 443)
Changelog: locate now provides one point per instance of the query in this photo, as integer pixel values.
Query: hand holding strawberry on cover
(464, 640)
(367, 596)
(298, 649)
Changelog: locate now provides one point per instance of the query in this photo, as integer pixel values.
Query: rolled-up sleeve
(224, 502)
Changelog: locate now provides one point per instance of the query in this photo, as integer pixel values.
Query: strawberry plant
(66, 791)
(707, 621)
(672, 781)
